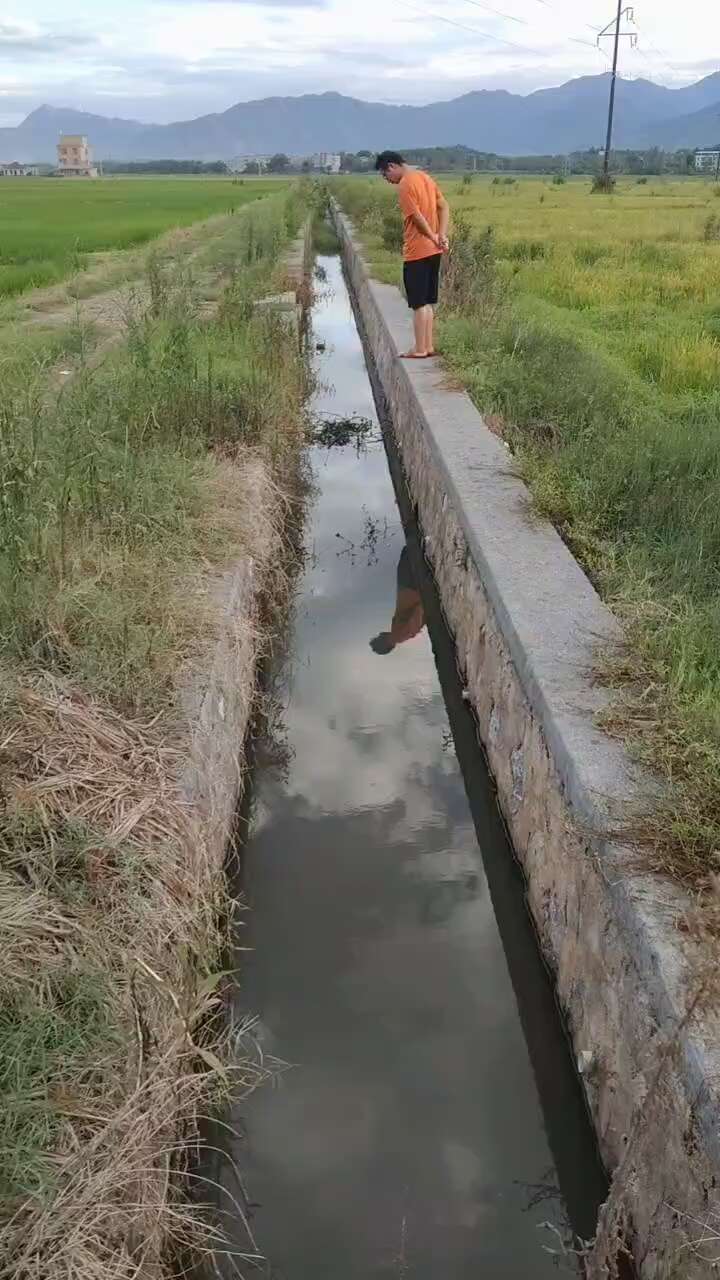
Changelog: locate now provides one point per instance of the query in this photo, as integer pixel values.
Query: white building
(238, 164)
(15, 170)
(707, 160)
(327, 161)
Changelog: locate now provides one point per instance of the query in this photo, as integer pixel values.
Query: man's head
(391, 165)
(383, 643)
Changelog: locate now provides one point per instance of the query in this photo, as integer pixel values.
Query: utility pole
(628, 13)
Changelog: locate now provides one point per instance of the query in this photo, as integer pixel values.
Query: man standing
(426, 217)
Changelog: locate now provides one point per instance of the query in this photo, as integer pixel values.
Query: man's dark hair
(386, 158)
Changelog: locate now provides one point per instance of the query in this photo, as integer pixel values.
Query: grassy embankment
(52, 228)
(590, 325)
(121, 502)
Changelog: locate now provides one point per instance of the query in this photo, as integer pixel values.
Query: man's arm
(444, 219)
(423, 226)
(409, 209)
(439, 238)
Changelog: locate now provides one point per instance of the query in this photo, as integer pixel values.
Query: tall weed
(101, 500)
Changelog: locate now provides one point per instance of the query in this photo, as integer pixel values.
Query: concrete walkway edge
(527, 624)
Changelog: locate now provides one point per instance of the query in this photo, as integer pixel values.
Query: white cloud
(176, 58)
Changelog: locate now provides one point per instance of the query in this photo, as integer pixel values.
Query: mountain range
(566, 118)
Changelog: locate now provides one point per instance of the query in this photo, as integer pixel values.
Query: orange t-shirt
(409, 618)
(418, 193)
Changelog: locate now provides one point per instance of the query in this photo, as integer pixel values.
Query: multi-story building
(327, 161)
(75, 157)
(707, 160)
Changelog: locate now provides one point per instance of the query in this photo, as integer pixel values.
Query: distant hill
(566, 118)
(699, 128)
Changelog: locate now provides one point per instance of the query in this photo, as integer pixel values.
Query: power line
(554, 9)
(484, 35)
(498, 12)
(524, 22)
(651, 46)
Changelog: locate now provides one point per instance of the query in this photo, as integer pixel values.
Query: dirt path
(97, 302)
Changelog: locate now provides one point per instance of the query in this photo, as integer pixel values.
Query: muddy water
(430, 1123)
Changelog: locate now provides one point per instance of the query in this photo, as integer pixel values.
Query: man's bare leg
(419, 350)
(429, 343)
(419, 330)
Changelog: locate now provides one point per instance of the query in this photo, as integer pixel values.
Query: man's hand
(441, 242)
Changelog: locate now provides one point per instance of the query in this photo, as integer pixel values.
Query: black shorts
(421, 279)
(405, 576)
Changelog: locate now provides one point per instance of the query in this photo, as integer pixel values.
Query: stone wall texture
(527, 624)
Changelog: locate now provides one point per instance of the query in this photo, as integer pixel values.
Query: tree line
(653, 161)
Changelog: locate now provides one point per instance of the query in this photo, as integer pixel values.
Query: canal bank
(430, 1121)
(527, 624)
(138, 538)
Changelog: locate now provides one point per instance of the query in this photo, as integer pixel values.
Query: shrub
(470, 278)
(524, 250)
(603, 184)
(642, 182)
(586, 255)
(711, 230)
(392, 227)
(559, 180)
(467, 181)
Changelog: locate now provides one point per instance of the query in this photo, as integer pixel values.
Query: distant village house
(15, 170)
(75, 157)
(707, 160)
(324, 161)
(327, 161)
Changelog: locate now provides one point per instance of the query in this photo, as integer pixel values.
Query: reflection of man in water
(409, 618)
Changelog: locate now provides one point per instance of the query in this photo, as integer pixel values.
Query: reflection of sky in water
(409, 1127)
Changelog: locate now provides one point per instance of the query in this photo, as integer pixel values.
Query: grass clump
(603, 184)
(123, 499)
(602, 360)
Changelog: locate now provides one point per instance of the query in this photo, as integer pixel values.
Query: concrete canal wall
(527, 623)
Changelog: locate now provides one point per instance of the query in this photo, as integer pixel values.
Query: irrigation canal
(431, 1125)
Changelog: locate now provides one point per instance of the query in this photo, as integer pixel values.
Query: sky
(162, 60)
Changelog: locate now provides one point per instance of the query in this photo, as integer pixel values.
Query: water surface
(419, 1132)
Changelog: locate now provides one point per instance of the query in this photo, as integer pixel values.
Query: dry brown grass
(108, 878)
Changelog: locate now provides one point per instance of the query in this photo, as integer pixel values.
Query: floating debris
(338, 433)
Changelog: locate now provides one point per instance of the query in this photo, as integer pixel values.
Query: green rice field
(49, 228)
